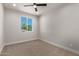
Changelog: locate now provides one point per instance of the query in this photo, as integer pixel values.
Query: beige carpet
(34, 48)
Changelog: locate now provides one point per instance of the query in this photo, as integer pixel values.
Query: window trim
(27, 22)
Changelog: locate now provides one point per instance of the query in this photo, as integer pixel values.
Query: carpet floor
(34, 48)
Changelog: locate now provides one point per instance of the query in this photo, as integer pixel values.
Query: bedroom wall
(1, 27)
(13, 34)
(61, 27)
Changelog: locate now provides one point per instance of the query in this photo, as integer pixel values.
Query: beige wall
(1, 27)
(13, 34)
(61, 26)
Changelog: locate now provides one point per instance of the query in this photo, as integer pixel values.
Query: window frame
(27, 23)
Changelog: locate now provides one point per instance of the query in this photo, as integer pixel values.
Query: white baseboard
(60, 46)
(20, 41)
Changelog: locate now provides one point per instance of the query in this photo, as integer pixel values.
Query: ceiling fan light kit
(35, 6)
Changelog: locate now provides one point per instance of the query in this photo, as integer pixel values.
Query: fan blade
(27, 5)
(41, 4)
(36, 9)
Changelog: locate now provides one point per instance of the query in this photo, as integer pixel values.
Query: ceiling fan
(35, 5)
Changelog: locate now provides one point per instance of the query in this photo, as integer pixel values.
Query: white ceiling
(30, 9)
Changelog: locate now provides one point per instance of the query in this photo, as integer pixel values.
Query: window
(26, 23)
